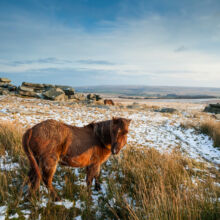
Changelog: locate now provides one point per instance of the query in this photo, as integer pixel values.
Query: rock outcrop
(213, 108)
(33, 85)
(6, 87)
(55, 94)
(78, 96)
(5, 80)
(93, 97)
(45, 91)
(3, 91)
(166, 110)
(28, 93)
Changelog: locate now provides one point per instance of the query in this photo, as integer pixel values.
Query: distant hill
(153, 91)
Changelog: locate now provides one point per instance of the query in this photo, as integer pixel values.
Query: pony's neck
(104, 133)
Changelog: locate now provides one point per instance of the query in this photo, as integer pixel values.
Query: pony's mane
(102, 131)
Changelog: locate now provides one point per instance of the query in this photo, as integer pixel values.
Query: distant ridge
(153, 91)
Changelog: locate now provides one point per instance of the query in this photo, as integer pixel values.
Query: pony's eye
(124, 132)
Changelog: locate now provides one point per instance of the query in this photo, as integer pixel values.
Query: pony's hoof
(97, 187)
(57, 199)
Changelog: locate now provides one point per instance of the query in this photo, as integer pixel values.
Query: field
(151, 91)
(168, 170)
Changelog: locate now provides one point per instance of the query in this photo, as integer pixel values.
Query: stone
(71, 97)
(55, 94)
(94, 97)
(33, 85)
(27, 93)
(69, 91)
(4, 92)
(12, 88)
(213, 108)
(5, 80)
(79, 96)
(25, 88)
(98, 97)
(217, 105)
(62, 87)
(8, 86)
(48, 86)
(39, 90)
(166, 110)
(4, 84)
(91, 96)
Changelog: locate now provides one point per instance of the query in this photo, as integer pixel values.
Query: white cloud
(145, 47)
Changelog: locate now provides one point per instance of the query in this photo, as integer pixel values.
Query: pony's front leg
(93, 171)
(97, 180)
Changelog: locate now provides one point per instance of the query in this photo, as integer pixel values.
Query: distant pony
(50, 142)
(108, 102)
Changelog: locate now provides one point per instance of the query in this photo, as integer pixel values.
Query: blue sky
(113, 42)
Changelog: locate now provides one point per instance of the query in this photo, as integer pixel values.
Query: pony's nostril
(114, 150)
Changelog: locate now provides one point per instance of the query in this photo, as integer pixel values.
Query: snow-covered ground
(148, 129)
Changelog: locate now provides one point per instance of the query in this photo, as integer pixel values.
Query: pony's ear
(92, 124)
(116, 120)
(129, 121)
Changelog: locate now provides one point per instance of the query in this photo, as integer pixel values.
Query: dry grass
(10, 138)
(140, 184)
(211, 127)
(151, 185)
(205, 125)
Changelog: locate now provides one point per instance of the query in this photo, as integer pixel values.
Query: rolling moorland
(168, 170)
(153, 91)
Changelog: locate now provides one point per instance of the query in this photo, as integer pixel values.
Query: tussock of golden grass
(211, 127)
(206, 125)
(11, 138)
(188, 125)
(151, 185)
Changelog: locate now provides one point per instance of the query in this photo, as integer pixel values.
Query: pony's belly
(96, 155)
(78, 161)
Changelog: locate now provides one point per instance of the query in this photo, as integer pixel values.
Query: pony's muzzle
(114, 148)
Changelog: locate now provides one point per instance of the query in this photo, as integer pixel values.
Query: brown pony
(108, 102)
(50, 142)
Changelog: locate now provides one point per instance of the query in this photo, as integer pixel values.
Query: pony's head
(119, 131)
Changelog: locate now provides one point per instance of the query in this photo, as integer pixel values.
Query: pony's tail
(26, 146)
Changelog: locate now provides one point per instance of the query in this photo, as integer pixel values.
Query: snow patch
(68, 204)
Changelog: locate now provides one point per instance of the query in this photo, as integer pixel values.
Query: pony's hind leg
(34, 180)
(48, 169)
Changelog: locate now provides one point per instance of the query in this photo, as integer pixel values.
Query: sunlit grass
(211, 127)
(139, 184)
